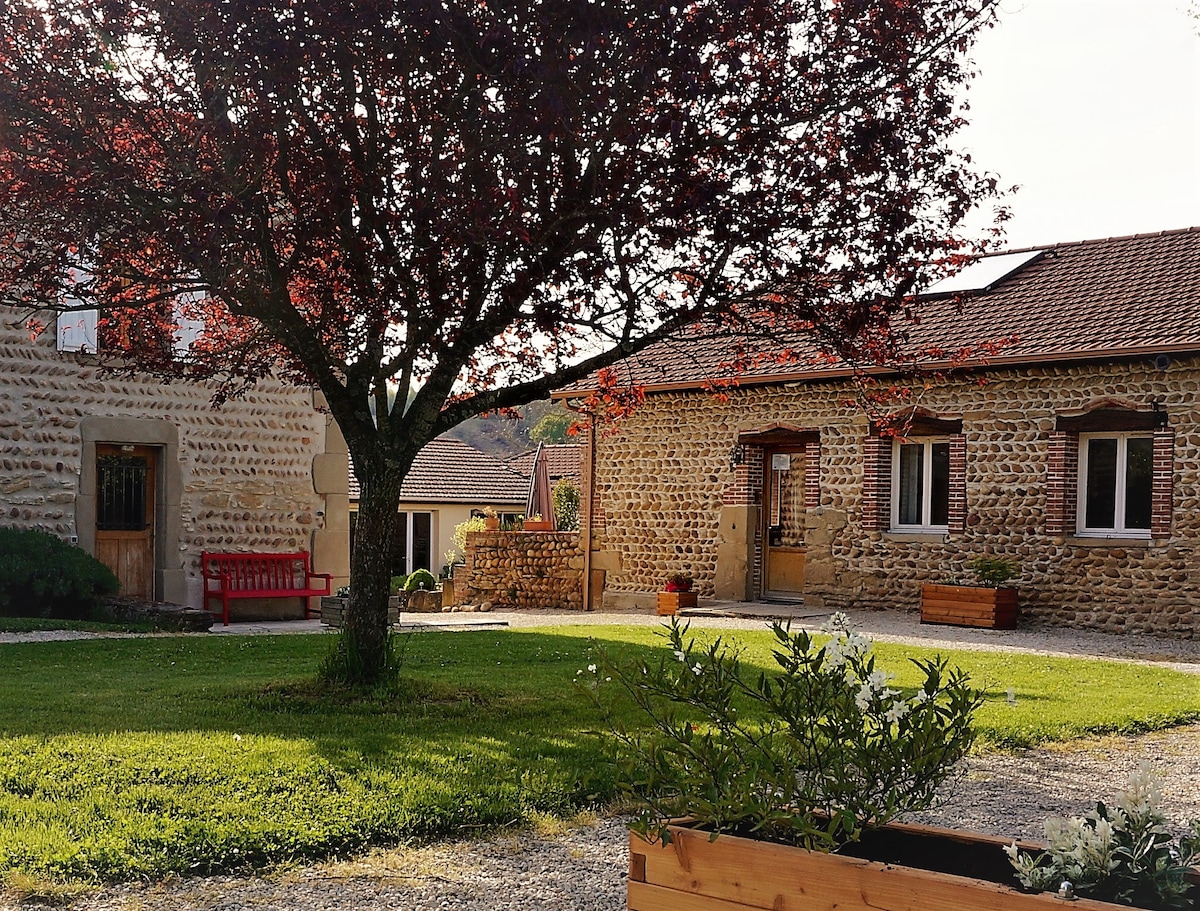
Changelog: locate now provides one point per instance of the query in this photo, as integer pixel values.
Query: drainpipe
(585, 528)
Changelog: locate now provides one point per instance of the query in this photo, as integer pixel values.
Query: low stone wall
(523, 569)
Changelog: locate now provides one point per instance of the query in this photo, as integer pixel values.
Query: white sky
(1092, 107)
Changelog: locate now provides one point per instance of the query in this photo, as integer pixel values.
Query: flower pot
(695, 873)
(537, 525)
(969, 605)
(670, 603)
(491, 523)
(333, 609)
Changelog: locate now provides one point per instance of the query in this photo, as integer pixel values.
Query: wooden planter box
(738, 874)
(333, 608)
(670, 603)
(537, 525)
(968, 605)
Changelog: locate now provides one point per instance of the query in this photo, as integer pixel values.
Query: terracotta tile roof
(565, 461)
(450, 471)
(1117, 297)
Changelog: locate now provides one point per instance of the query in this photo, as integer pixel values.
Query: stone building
(147, 475)
(1075, 451)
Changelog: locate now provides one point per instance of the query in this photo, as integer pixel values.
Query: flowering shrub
(678, 582)
(1124, 854)
(806, 756)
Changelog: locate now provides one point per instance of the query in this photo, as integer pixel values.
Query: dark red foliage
(478, 200)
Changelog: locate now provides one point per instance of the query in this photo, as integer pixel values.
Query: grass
(138, 757)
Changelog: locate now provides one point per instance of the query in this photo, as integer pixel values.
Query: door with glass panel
(784, 553)
(125, 498)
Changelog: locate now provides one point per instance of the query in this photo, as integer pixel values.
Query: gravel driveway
(583, 867)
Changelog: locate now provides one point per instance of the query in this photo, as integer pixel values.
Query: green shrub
(992, 572)
(475, 523)
(423, 579)
(566, 505)
(809, 756)
(43, 576)
(397, 584)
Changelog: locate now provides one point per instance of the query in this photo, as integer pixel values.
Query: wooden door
(125, 495)
(783, 536)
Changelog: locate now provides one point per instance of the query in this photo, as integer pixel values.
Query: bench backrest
(259, 572)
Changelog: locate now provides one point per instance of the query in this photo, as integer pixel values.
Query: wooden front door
(784, 520)
(125, 494)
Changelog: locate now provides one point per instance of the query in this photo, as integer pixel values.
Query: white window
(1116, 484)
(921, 484)
(77, 326)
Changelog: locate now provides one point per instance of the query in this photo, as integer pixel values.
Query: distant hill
(504, 437)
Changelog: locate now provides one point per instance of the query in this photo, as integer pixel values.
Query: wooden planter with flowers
(901, 868)
(677, 595)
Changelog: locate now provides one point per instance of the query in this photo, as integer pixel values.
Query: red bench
(232, 576)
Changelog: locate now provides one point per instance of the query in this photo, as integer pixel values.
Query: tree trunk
(365, 625)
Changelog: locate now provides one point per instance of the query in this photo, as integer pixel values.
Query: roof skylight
(984, 273)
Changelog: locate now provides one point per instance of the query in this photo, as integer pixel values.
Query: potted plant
(491, 521)
(794, 806)
(333, 607)
(676, 595)
(987, 603)
(535, 522)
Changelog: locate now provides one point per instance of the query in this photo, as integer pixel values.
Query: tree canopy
(481, 201)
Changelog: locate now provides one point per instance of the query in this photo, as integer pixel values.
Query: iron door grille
(121, 493)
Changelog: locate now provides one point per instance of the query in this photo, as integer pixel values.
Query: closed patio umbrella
(541, 497)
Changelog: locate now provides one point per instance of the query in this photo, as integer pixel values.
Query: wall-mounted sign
(781, 461)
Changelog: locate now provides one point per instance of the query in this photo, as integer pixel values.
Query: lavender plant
(808, 755)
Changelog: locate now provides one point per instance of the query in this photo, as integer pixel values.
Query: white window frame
(1119, 529)
(925, 526)
(407, 516)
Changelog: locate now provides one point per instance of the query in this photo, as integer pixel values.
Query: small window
(1116, 484)
(921, 485)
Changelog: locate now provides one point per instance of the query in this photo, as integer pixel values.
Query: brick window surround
(1062, 475)
(877, 468)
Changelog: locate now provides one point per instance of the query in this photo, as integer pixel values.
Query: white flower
(591, 668)
(838, 624)
(863, 697)
(857, 646)
(697, 669)
(680, 656)
(1141, 797)
(920, 698)
(898, 710)
(834, 658)
(878, 680)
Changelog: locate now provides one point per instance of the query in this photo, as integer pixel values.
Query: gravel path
(583, 868)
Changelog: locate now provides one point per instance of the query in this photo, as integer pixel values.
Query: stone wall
(668, 499)
(253, 475)
(522, 569)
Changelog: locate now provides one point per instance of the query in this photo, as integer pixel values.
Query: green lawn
(130, 757)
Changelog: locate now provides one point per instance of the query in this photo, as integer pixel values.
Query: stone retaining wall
(522, 569)
(669, 500)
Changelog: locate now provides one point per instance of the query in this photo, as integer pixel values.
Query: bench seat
(230, 577)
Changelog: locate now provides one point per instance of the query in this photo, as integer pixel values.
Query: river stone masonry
(667, 498)
(521, 569)
(259, 474)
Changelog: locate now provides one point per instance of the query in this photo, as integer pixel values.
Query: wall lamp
(737, 456)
